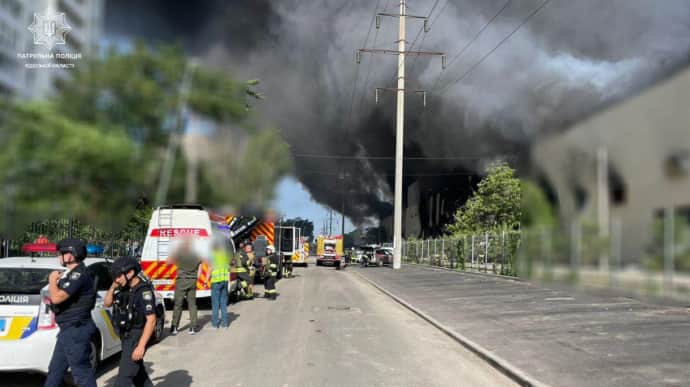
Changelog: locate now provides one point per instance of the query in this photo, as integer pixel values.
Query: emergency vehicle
(171, 223)
(28, 331)
(291, 244)
(329, 250)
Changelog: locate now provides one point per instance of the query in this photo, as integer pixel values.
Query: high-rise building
(84, 21)
(12, 30)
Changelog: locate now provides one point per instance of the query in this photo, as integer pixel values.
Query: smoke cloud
(571, 59)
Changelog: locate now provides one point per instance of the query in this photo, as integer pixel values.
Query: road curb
(507, 277)
(515, 374)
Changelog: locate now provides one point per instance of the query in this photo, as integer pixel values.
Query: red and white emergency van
(168, 225)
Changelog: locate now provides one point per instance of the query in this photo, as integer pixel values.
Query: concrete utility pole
(400, 116)
(342, 205)
(330, 222)
(399, 131)
(175, 136)
(603, 202)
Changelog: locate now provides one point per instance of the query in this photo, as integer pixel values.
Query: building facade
(84, 19)
(625, 166)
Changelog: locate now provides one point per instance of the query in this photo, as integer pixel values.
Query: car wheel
(159, 329)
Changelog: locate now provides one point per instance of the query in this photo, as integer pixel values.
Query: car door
(102, 315)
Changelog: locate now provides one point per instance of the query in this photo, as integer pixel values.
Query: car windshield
(23, 280)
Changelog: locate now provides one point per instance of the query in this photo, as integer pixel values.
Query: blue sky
(293, 200)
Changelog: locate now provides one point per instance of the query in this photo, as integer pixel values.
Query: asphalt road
(557, 335)
(327, 328)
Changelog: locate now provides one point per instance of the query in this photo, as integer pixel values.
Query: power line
(343, 157)
(431, 25)
(371, 61)
(354, 85)
(469, 43)
(420, 32)
(393, 174)
(466, 73)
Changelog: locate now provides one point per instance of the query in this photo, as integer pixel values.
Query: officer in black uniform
(72, 296)
(134, 315)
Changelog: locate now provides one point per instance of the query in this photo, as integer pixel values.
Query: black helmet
(75, 246)
(125, 264)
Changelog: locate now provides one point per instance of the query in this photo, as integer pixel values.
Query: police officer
(270, 273)
(72, 296)
(134, 316)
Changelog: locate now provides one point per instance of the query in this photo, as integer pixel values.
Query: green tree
(306, 225)
(97, 147)
(536, 209)
(140, 91)
(654, 258)
(54, 167)
(266, 159)
(494, 206)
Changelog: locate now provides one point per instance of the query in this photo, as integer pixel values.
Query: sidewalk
(559, 337)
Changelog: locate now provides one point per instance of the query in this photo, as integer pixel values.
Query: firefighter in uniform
(134, 316)
(270, 273)
(287, 266)
(240, 267)
(249, 257)
(72, 296)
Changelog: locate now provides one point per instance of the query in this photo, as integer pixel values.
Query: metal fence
(488, 252)
(578, 255)
(113, 243)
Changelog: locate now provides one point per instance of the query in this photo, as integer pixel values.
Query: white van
(168, 224)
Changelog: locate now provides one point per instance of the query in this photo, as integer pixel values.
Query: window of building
(548, 189)
(617, 189)
(73, 19)
(580, 195)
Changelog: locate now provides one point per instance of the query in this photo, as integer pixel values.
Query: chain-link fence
(488, 252)
(579, 254)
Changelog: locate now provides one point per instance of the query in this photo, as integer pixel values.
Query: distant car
(370, 252)
(384, 256)
(28, 331)
(356, 256)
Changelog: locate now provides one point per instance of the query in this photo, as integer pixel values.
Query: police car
(28, 331)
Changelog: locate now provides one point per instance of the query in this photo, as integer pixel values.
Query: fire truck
(329, 250)
(291, 244)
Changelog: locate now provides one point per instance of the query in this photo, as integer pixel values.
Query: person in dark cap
(72, 295)
(134, 305)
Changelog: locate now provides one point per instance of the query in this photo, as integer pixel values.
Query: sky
(293, 200)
